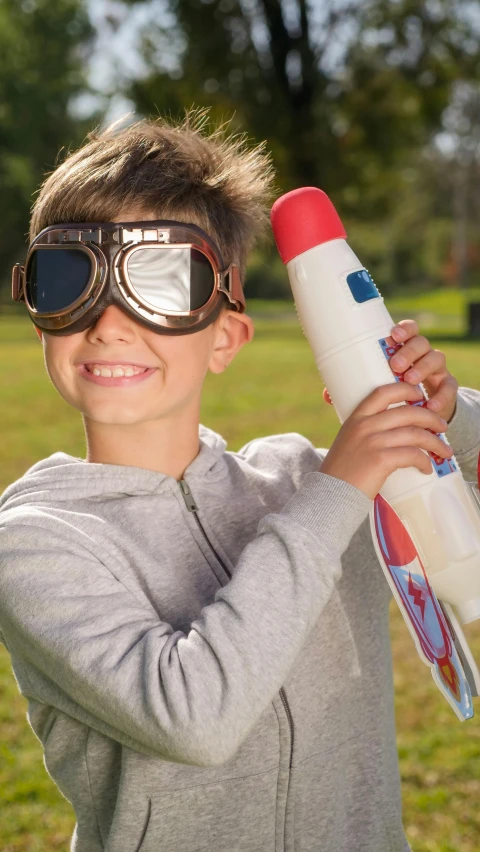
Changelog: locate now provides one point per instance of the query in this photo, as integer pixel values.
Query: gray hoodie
(207, 663)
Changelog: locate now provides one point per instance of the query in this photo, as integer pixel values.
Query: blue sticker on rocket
(441, 466)
(361, 286)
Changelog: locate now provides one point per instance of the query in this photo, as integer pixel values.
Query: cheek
(62, 346)
(58, 354)
(189, 371)
(53, 356)
(188, 357)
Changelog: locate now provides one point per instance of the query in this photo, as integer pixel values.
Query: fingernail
(444, 422)
(399, 332)
(399, 362)
(433, 403)
(412, 376)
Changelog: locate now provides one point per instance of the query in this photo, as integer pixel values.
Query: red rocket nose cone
(302, 219)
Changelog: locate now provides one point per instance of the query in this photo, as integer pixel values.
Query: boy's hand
(376, 440)
(429, 368)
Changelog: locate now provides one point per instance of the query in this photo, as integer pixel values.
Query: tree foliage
(349, 95)
(43, 51)
(340, 98)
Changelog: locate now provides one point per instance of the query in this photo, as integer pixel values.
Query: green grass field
(271, 387)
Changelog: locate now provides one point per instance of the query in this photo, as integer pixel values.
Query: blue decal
(361, 286)
(441, 466)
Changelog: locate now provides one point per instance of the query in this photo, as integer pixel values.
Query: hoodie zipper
(290, 722)
(193, 508)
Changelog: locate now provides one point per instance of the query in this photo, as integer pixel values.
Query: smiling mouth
(116, 370)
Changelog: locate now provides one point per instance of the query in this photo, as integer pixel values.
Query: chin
(116, 416)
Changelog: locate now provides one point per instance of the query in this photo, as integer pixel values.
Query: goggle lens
(56, 278)
(176, 279)
(173, 279)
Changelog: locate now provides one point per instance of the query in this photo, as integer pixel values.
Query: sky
(115, 56)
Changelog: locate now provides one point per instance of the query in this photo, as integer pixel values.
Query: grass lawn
(271, 387)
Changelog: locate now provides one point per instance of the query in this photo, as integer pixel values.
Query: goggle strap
(232, 286)
(18, 282)
(82, 236)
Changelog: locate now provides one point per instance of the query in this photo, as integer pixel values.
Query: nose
(112, 324)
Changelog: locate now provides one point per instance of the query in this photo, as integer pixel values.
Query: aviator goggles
(166, 275)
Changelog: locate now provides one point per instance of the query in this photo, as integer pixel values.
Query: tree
(462, 121)
(399, 77)
(343, 97)
(43, 51)
(349, 95)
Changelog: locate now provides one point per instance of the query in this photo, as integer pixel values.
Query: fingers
(445, 395)
(409, 457)
(405, 329)
(411, 436)
(385, 395)
(413, 351)
(433, 362)
(408, 415)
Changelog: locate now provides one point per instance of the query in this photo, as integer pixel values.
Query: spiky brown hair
(175, 170)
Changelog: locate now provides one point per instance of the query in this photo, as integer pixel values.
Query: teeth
(112, 372)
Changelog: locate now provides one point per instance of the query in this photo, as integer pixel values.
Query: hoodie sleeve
(463, 432)
(89, 647)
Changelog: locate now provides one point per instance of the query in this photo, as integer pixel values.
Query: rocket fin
(431, 631)
(463, 650)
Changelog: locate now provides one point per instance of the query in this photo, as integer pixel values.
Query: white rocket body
(440, 511)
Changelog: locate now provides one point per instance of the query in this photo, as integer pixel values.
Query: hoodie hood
(59, 476)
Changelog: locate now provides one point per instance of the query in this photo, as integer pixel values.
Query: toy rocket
(425, 528)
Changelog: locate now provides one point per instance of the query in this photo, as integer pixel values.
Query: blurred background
(375, 101)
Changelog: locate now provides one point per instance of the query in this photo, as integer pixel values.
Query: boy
(202, 635)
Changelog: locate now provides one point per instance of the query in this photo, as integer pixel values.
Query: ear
(231, 331)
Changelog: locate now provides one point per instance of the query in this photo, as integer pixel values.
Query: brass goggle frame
(109, 246)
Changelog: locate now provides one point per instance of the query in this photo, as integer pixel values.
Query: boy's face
(180, 363)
